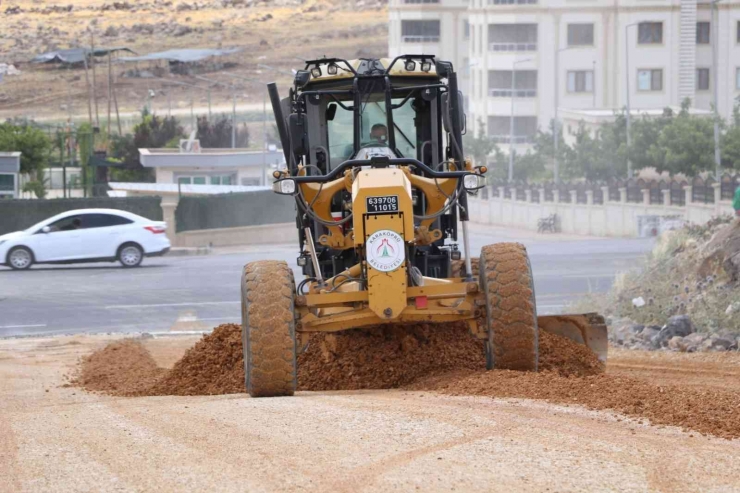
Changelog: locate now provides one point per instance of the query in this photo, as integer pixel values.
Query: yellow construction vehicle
(375, 165)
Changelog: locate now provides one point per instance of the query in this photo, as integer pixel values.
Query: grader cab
(376, 167)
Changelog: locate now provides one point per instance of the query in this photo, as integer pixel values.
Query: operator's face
(379, 134)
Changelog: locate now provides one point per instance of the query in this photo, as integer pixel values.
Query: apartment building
(574, 57)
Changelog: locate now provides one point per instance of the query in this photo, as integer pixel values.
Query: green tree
(731, 142)
(646, 131)
(34, 146)
(686, 144)
(480, 146)
(217, 134)
(152, 132)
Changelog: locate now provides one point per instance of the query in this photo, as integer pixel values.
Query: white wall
(619, 219)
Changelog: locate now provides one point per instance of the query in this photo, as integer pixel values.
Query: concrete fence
(611, 218)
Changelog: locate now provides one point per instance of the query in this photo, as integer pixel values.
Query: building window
(525, 129)
(580, 34)
(650, 33)
(650, 80)
(466, 29)
(512, 37)
(525, 83)
(512, 2)
(206, 180)
(581, 81)
(702, 79)
(420, 1)
(7, 184)
(420, 31)
(702, 33)
(737, 34)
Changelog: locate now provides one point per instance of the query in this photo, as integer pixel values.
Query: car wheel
(20, 258)
(130, 255)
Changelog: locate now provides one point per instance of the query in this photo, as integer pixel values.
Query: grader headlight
(284, 187)
(473, 182)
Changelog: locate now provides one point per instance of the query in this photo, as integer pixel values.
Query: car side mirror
(46, 230)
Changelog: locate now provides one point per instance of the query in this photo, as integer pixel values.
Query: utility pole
(714, 26)
(627, 81)
(556, 121)
(233, 104)
(95, 83)
(262, 85)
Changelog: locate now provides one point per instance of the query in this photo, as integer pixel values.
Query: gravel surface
(56, 438)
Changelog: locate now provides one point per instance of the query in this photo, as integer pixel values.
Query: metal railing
(518, 139)
(512, 47)
(506, 93)
(512, 2)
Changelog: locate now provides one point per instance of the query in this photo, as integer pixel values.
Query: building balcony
(420, 39)
(512, 47)
(512, 2)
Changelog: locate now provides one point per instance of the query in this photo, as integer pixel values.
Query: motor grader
(375, 165)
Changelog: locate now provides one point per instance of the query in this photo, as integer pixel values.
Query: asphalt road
(199, 292)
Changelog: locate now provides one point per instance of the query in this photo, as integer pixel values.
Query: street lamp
(264, 121)
(233, 105)
(511, 118)
(556, 123)
(627, 80)
(714, 26)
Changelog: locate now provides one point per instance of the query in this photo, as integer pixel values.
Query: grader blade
(588, 329)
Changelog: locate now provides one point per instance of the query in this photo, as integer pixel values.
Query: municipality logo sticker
(385, 250)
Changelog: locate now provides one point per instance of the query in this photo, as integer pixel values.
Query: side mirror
(46, 229)
(447, 118)
(331, 112)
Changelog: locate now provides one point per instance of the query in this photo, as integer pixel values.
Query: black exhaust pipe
(277, 109)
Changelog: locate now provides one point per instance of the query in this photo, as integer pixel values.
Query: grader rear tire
(268, 329)
(511, 314)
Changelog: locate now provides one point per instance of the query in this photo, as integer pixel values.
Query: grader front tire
(506, 280)
(268, 329)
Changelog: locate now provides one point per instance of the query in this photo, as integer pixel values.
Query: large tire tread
(506, 280)
(268, 329)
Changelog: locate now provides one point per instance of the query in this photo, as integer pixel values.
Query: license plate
(386, 203)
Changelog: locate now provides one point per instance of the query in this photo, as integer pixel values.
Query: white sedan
(85, 235)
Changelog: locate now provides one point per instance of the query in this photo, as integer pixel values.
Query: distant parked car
(85, 235)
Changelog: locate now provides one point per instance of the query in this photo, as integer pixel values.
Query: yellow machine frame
(335, 305)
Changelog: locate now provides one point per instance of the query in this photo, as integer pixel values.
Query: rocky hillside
(685, 298)
(276, 33)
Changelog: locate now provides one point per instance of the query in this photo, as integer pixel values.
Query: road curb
(188, 251)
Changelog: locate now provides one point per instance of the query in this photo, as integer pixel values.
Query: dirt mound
(372, 358)
(121, 368)
(707, 411)
(443, 359)
(386, 357)
(215, 365)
